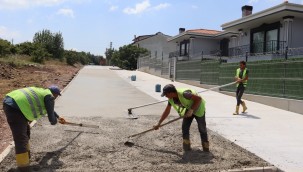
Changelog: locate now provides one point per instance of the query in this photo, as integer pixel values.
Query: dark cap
(55, 89)
(168, 89)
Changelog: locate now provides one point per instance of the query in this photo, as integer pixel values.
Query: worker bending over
(23, 106)
(189, 105)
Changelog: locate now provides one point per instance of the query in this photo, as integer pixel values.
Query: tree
(127, 56)
(108, 54)
(58, 46)
(39, 54)
(5, 47)
(71, 57)
(52, 42)
(25, 48)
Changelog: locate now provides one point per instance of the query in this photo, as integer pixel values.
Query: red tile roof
(203, 31)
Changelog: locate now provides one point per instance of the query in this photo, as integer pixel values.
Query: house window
(258, 42)
(184, 48)
(265, 38)
(271, 40)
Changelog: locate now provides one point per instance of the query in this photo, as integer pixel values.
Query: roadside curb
(256, 169)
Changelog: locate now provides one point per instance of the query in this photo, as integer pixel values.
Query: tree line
(126, 57)
(48, 45)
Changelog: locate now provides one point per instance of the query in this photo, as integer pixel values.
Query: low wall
(281, 103)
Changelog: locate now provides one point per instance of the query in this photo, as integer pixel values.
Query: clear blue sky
(90, 25)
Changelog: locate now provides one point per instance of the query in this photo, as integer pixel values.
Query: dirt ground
(72, 148)
(14, 77)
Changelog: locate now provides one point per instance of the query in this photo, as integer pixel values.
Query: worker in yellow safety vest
(23, 106)
(189, 104)
(241, 79)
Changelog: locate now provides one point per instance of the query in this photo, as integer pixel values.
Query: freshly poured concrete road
(273, 134)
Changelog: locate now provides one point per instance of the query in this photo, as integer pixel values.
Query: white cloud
(162, 6)
(7, 34)
(17, 4)
(113, 8)
(139, 8)
(66, 12)
(20, 4)
(145, 6)
(253, 1)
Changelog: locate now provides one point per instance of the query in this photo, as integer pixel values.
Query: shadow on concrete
(241, 115)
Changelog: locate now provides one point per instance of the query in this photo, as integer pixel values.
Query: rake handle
(81, 125)
(171, 121)
(220, 86)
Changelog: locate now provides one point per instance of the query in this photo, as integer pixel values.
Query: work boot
(237, 111)
(205, 146)
(22, 160)
(186, 145)
(244, 106)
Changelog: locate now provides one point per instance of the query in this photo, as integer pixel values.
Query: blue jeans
(201, 126)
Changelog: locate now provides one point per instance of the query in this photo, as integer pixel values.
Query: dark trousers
(239, 94)
(201, 126)
(19, 127)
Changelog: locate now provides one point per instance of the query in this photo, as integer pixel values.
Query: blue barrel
(133, 77)
(158, 87)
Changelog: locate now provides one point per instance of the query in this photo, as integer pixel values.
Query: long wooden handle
(81, 125)
(213, 88)
(152, 129)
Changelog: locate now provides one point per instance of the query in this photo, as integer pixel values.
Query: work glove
(189, 113)
(156, 127)
(62, 120)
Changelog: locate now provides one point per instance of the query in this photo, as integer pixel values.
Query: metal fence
(281, 75)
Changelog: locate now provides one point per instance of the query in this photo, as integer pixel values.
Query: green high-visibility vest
(30, 100)
(187, 104)
(243, 76)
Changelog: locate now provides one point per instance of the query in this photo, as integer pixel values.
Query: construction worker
(189, 105)
(23, 106)
(241, 79)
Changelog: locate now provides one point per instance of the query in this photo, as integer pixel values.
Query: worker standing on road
(241, 79)
(189, 105)
(23, 106)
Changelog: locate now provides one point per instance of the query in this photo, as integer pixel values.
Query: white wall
(159, 44)
(205, 45)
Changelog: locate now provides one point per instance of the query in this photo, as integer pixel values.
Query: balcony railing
(270, 47)
(238, 51)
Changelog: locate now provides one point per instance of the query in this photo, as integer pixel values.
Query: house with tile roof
(193, 44)
(268, 34)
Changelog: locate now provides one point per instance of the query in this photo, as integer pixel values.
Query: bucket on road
(158, 87)
(133, 77)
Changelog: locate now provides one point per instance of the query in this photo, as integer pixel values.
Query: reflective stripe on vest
(243, 76)
(30, 101)
(187, 104)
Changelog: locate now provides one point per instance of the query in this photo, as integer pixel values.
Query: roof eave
(269, 11)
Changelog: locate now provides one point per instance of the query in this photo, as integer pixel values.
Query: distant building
(156, 44)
